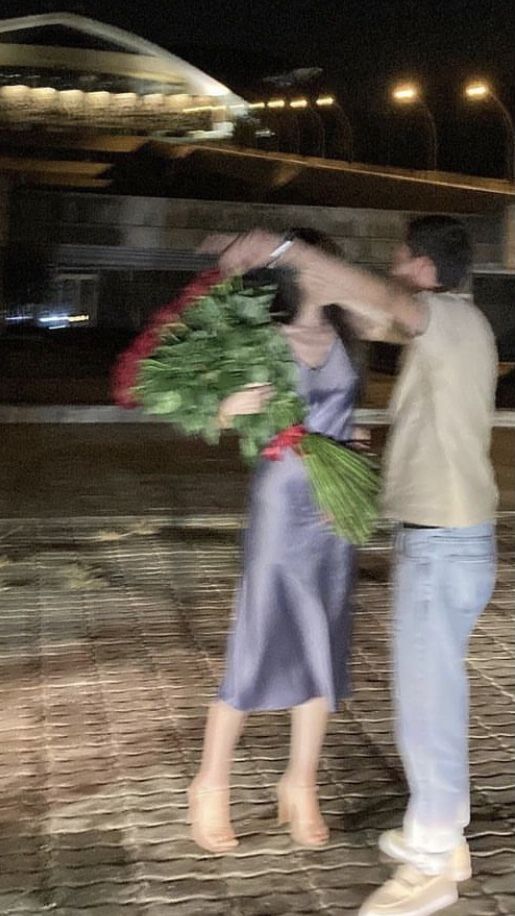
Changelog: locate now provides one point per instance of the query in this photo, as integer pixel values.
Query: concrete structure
(154, 225)
(76, 93)
(91, 100)
(136, 251)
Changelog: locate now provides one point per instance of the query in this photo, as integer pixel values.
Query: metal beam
(90, 142)
(64, 180)
(119, 258)
(54, 166)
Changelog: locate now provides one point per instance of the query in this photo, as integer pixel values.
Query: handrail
(107, 413)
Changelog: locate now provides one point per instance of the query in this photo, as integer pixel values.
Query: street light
(410, 94)
(480, 91)
(477, 90)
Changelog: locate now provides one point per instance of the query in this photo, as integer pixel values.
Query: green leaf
(225, 341)
(212, 435)
(249, 449)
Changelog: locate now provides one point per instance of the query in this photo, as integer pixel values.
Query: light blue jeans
(444, 579)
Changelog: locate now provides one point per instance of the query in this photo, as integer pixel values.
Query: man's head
(437, 254)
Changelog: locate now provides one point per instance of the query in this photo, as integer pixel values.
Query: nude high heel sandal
(209, 819)
(310, 831)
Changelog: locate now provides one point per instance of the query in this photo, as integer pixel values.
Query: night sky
(362, 46)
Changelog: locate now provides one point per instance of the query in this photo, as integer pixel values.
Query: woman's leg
(308, 728)
(298, 799)
(208, 794)
(223, 729)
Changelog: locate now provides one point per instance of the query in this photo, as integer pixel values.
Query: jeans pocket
(470, 581)
(470, 550)
(415, 549)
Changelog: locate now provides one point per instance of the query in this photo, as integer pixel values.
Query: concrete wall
(4, 227)
(366, 236)
(40, 221)
(509, 239)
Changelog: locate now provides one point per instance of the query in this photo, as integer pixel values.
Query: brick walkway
(112, 638)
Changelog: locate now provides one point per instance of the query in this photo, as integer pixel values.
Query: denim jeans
(444, 579)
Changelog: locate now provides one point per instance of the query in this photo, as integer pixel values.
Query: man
(439, 487)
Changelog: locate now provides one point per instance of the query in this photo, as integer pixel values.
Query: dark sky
(362, 45)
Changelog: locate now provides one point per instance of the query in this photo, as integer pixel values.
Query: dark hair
(287, 299)
(446, 242)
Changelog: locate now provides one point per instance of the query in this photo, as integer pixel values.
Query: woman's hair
(287, 299)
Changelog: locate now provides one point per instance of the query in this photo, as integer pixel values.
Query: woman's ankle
(298, 777)
(210, 782)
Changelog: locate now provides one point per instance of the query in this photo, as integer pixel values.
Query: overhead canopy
(108, 79)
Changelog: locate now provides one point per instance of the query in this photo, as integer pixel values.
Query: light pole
(304, 106)
(328, 102)
(302, 112)
(480, 91)
(410, 94)
(284, 127)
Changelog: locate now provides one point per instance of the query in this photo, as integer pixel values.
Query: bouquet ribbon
(290, 437)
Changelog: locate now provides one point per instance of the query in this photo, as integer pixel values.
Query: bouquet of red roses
(215, 339)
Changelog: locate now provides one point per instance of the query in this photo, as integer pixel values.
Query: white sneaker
(411, 893)
(458, 867)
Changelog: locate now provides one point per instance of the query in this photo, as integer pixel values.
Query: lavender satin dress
(291, 632)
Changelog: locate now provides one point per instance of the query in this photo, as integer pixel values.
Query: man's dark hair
(446, 242)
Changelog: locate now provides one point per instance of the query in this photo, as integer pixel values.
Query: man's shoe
(458, 867)
(411, 893)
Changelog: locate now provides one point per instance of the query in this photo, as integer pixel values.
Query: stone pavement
(112, 635)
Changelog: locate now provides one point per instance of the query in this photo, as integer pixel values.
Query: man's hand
(248, 251)
(216, 243)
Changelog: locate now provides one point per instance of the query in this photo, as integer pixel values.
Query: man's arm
(380, 308)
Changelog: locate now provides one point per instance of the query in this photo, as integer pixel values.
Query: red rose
(126, 369)
(144, 344)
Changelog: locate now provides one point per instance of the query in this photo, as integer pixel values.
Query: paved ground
(112, 634)
(125, 469)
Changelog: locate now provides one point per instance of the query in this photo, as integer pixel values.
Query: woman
(290, 638)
